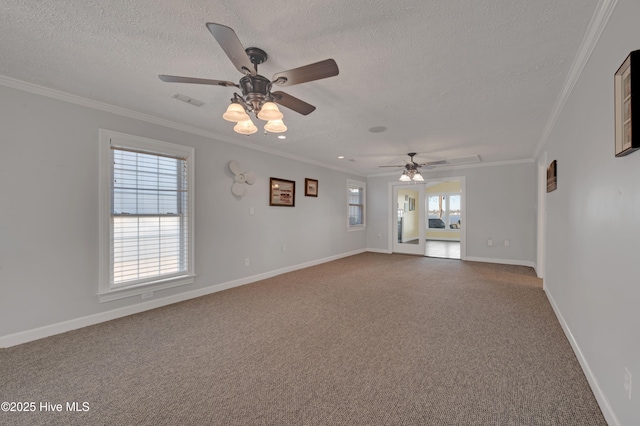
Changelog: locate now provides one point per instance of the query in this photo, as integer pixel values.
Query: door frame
(392, 219)
(419, 248)
(541, 247)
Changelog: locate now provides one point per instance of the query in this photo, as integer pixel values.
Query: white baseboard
(472, 259)
(502, 261)
(376, 250)
(76, 323)
(603, 402)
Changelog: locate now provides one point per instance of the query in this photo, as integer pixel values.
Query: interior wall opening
(428, 219)
(444, 225)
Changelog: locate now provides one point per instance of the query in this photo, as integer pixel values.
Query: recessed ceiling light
(341, 157)
(282, 137)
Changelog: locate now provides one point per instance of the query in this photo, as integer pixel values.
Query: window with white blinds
(149, 217)
(356, 203)
(149, 214)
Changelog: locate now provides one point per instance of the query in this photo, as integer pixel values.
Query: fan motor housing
(255, 89)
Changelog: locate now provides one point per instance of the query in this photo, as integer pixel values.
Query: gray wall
(501, 204)
(49, 213)
(593, 225)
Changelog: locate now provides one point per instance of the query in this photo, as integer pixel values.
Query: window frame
(447, 210)
(107, 140)
(363, 186)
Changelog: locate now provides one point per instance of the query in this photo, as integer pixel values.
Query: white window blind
(149, 217)
(356, 203)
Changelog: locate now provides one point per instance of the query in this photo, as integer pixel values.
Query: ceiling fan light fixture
(275, 126)
(418, 177)
(257, 97)
(404, 177)
(236, 113)
(245, 127)
(270, 111)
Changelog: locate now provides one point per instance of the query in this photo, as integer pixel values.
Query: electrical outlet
(246, 261)
(251, 210)
(507, 243)
(284, 248)
(489, 242)
(627, 382)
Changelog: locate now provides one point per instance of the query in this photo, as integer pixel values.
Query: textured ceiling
(446, 79)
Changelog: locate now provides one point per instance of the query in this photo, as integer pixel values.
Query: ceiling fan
(257, 97)
(412, 169)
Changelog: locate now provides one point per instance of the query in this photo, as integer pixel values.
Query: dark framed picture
(627, 89)
(552, 176)
(310, 187)
(282, 192)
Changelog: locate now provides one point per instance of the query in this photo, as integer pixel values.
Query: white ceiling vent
(469, 159)
(187, 99)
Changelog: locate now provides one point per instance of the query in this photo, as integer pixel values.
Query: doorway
(408, 222)
(444, 218)
(429, 218)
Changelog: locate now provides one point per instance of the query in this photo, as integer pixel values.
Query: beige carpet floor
(371, 339)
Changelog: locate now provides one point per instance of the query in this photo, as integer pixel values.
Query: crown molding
(102, 106)
(594, 31)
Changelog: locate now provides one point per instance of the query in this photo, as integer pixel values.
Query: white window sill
(121, 293)
(356, 228)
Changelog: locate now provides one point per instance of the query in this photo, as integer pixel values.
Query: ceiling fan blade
(402, 165)
(293, 103)
(177, 79)
(311, 72)
(230, 43)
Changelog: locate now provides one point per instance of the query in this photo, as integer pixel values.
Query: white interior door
(408, 214)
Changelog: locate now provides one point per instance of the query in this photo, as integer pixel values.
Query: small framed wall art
(627, 94)
(310, 187)
(282, 192)
(552, 176)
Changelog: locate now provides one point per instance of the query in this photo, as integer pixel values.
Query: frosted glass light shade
(275, 126)
(418, 177)
(235, 113)
(270, 111)
(245, 127)
(404, 177)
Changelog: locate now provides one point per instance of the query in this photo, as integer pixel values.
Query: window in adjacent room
(147, 211)
(444, 211)
(356, 201)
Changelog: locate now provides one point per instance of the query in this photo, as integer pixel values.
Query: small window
(147, 211)
(356, 204)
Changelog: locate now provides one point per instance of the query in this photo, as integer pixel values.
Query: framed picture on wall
(310, 187)
(552, 176)
(282, 192)
(627, 117)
